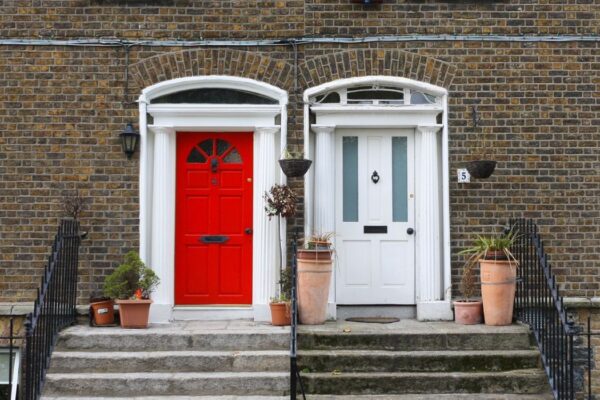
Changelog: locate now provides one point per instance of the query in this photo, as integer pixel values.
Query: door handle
(213, 239)
(248, 231)
(410, 231)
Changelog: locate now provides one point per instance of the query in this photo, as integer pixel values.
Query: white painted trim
(214, 81)
(373, 80)
(389, 116)
(158, 168)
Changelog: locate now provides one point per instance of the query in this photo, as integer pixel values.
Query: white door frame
(157, 183)
(432, 225)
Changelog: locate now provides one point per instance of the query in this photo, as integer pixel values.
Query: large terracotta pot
(134, 313)
(314, 277)
(104, 312)
(468, 312)
(280, 314)
(498, 285)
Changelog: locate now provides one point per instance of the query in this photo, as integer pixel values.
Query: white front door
(374, 215)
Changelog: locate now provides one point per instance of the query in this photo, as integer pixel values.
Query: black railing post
(293, 347)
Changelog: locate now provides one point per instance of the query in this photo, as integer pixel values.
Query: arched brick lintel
(196, 62)
(386, 62)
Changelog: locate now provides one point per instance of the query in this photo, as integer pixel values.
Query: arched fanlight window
(375, 95)
(213, 96)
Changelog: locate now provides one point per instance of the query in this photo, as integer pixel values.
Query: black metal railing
(53, 310)
(295, 378)
(539, 304)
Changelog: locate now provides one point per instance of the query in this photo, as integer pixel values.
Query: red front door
(213, 222)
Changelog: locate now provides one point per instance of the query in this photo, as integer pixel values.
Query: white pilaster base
(434, 311)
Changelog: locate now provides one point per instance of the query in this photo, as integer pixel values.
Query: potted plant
(468, 311)
(102, 311)
(280, 305)
(314, 278)
(317, 246)
(131, 284)
(483, 167)
(281, 203)
(294, 165)
(498, 275)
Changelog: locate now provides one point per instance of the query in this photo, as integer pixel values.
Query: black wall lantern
(129, 140)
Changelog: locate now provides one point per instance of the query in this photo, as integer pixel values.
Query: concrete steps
(412, 359)
(418, 361)
(332, 397)
(240, 359)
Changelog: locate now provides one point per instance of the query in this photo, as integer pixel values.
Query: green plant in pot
(468, 310)
(498, 275)
(281, 203)
(131, 285)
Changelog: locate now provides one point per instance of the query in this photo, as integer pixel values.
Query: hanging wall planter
(481, 169)
(294, 167)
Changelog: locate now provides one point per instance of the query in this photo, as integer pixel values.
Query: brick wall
(61, 109)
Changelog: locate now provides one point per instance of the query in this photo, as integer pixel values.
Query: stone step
(145, 384)
(170, 361)
(417, 361)
(438, 396)
(526, 381)
(332, 397)
(116, 339)
(398, 341)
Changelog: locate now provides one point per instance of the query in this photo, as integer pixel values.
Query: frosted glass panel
(350, 181)
(399, 180)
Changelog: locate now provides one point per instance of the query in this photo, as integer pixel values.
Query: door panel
(375, 186)
(213, 253)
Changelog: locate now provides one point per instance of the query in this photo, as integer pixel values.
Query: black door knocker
(375, 177)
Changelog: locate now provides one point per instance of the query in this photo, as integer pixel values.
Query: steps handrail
(539, 304)
(295, 378)
(54, 308)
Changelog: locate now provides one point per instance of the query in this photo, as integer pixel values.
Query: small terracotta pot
(104, 312)
(498, 286)
(468, 312)
(314, 277)
(305, 254)
(134, 313)
(280, 314)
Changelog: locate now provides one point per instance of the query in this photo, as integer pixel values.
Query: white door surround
(432, 239)
(157, 183)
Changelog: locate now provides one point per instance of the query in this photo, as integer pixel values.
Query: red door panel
(213, 202)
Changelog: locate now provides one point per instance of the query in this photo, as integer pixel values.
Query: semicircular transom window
(213, 96)
(214, 148)
(375, 94)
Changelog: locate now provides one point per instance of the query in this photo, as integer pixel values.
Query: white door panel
(375, 268)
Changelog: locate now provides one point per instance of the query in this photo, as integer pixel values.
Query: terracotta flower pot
(324, 254)
(134, 313)
(280, 314)
(468, 312)
(314, 277)
(498, 285)
(104, 312)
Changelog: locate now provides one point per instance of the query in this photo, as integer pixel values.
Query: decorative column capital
(165, 130)
(323, 129)
(432, 129)
(267, 130)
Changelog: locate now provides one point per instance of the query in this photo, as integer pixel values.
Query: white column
(324, 192)
(265, 258)
(430, 293)
(163, 222)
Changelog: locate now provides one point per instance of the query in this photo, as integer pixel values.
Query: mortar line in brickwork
(301, 41)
